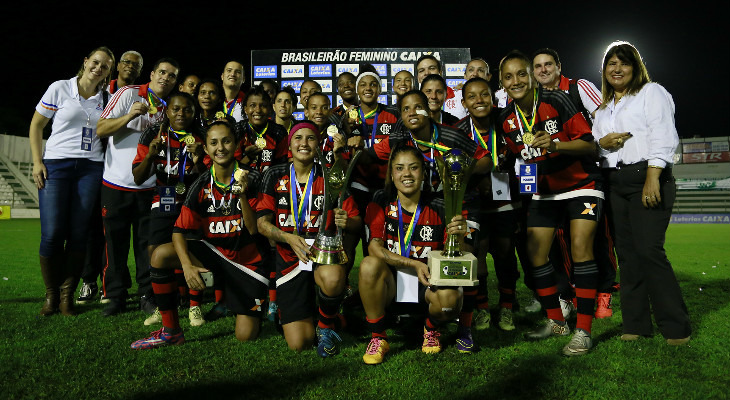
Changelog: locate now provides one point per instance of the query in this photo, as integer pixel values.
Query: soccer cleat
(567, 307)
(155, 318)
(159, 338)
(431, 343)
(219, 311)
(375, 353)
(87, 292)
(579, 344)
(505, 320)
(551, 328)
(604, 309)
(464, 340)
(271, 313)
(195, 314)
(534, 306)
(482, 319)
(329, 342)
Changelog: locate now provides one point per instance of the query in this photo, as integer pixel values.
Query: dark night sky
(679, 45)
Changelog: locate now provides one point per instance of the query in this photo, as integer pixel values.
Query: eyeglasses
(131, 63)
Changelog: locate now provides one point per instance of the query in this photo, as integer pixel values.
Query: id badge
(167, 199)
(307, 266)
(528, 178)
(87, 134)
(500, 186)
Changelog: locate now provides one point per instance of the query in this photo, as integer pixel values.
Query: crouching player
(406, 224)
(217, 207)
(289, 210)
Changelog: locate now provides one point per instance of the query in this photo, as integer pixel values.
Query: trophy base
(452, 271)
(328, 250)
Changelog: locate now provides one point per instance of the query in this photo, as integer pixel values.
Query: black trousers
(95, 256)
(648, 282)
(124, 212)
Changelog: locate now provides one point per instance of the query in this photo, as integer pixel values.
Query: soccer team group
(225, 189)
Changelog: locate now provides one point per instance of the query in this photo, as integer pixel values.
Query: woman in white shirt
(68, 174)
(635, 131)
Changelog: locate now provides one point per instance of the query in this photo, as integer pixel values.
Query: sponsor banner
(292, 71)
(265, 71)
(395, 68)
(720, 146)
(702, 147)
(455, 82)
(296, 85)
(298, 115)
(455, 70)
(703, 184)
(700, 219)
(326, 85)
(709, 157)
(292, 66)
(320, 70)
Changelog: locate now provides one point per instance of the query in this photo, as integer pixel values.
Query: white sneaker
(534, 306)
(566, 306)
(196, 316)
(579, 344)
(154, 318)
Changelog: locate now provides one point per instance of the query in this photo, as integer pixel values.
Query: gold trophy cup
(453, 267)
(329, 249)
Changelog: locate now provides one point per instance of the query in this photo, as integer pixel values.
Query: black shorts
(246, 290)
(551, 213)
(294, 291)
(161, 224)
(498, 223)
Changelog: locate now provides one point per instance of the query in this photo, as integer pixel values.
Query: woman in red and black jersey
(214, 232)
(405, 225)
(546, 130)
(289, 210)
(263, 141)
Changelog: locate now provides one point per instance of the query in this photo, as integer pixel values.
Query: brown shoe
(678, 342)
(629, 337)
(66, 304)
(50, 279)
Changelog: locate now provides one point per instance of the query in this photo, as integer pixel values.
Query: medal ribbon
(433, 143)
(224, 187)
(373, 114)
(183, 155)
(521, 115)
(405, 238)
(151, 96)
(302, 214)
(259, 135)
(492, 146)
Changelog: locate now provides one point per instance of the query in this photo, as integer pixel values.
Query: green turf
(89, 357)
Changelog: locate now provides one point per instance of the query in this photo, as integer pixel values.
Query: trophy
(329, 249)
(453, 267)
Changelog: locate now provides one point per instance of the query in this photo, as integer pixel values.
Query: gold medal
(153, 109)
(220, 115)
(353, 114)
(527, 138)
(331, 130)
(238, 175)
(261, 143)
(189, 139)
(180, 188)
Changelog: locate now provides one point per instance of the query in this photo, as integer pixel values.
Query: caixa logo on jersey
(292, 71)
(455, 69)
(320, 70)
(265, 71)
(351, 68)
(296, 85)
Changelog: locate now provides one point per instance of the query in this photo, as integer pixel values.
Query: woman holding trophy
(406, 224)
(290, 210)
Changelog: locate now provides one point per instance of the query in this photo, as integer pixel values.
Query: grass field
(88, 356)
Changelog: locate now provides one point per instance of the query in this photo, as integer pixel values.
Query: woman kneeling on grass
(405, 225)
(217, 206)
(300, 186)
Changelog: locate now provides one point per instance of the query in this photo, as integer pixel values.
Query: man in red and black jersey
(545, 129)
(218, 213)
(497, 219)
(263, 142)
(289, 211)
(405, 225)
